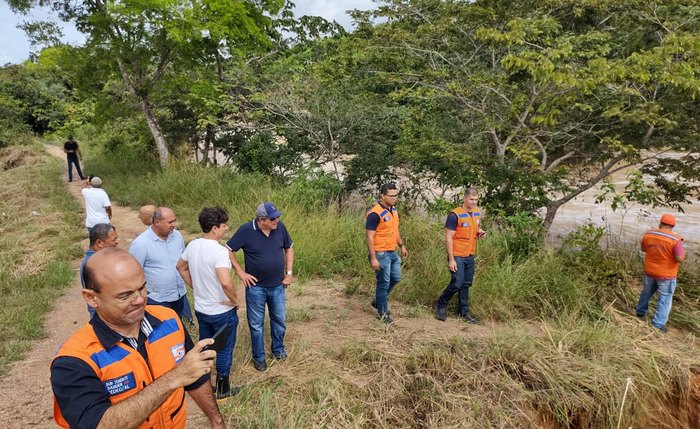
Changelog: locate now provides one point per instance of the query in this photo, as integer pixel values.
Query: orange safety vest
(387, 235)
(659, 261)
(464, 240)
(125, 373)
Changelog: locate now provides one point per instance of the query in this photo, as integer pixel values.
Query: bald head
(146, 214)
(109, 266)
(164, 222)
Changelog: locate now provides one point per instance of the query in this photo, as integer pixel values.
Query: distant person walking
(98, 208)
(206, 267)
(462, 229)
(382, 230)
(73, 156)
(269, 257)
(146, 214)
(102, 235)
(158, 249)
(664, 253)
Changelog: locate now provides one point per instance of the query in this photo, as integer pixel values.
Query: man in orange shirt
(462, 229)
(382, 230)
(664, 253)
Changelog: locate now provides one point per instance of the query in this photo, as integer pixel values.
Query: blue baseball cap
(268, 210)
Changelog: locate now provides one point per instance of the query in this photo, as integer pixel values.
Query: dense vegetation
(39, 231)
(534, 102)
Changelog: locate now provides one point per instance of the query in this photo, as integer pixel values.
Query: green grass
(38, 236)
(565, 350)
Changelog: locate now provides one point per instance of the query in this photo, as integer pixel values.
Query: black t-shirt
(72, 148)
(263, 255)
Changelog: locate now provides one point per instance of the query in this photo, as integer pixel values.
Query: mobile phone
(220, 339)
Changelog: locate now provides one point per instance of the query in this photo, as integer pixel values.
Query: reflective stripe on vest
(464, 240)
(660, 262)
(387, 235)
(124, 371)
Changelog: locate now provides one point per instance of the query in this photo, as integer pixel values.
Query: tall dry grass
(39, 224)
(567, 353)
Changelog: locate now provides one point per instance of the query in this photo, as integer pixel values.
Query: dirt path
(318, 310)
(25, 392)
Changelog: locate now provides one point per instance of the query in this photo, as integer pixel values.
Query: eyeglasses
(132, 296)
(391, 196)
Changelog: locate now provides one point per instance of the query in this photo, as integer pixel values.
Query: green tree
(560, 94)
(145, 39)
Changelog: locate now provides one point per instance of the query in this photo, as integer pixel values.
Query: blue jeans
(388, 276)
(666, 288)
(460, 282)
(208, 325)
(175, 305)
(255, 299)
(186, 310)
(75, 162)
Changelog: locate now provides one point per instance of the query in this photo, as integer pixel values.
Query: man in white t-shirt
(98, 209)
(205, 266)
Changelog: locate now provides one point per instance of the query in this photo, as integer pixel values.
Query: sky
(14, 46)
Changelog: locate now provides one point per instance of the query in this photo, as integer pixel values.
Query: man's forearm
(448, 247)
(289, 259)
(185, 274)
(133, 411)
(204, 398)
(234, 263)
(370, 246)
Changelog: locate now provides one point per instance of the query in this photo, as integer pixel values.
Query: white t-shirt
(204, 256)
(96, 200)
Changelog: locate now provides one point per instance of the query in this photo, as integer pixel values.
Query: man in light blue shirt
(158, 249)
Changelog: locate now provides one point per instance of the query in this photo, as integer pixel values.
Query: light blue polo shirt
(158, 259)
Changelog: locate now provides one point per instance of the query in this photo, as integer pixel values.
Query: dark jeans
(208, 325)
(175, 305)
(460, 282)
(75, 162)
(186, 310)
(256, 297)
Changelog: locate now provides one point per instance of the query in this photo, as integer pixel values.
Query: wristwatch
(289, 273)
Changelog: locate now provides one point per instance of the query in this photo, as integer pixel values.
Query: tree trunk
(207, 146)
(155, 131)
(551, 212)
(195, 146)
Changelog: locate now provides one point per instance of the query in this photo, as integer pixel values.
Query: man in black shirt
(73, 156)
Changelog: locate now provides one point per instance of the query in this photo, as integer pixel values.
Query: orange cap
(668, 219)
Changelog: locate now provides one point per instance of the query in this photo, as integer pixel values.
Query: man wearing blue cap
(268, 254)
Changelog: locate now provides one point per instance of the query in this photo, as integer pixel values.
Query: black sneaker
(663, 329)
(374, 305)
(469, 318)
(441, 313)
(385, 318)
(281, 356)
(260, 365)
(640, 315)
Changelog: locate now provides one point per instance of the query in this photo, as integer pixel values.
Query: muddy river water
(626, 225)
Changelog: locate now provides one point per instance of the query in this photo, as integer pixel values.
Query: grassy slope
(572, 371)
(38, 236)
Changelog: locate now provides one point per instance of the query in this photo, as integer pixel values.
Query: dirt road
(323, 311)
